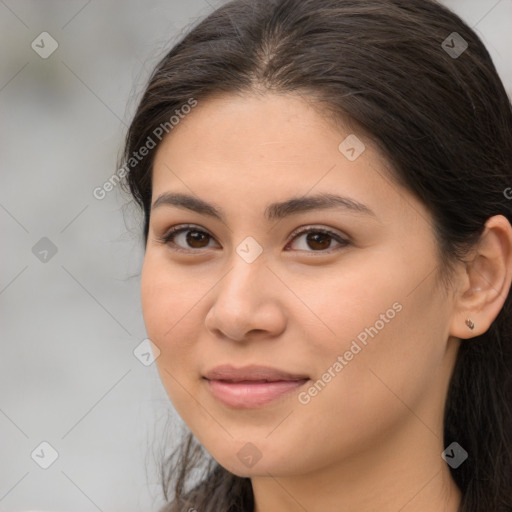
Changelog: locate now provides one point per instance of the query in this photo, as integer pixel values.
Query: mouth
(251, 386)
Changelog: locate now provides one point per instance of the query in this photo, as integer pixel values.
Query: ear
(485, 281)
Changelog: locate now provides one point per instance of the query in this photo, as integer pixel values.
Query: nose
(247, 303)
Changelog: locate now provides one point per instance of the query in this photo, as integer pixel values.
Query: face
(339, 300)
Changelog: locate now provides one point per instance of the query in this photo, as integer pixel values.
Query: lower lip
(246, 395)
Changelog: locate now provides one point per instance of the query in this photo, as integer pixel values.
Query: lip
(251, 373)
(251, 386)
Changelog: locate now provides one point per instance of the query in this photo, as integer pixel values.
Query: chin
(262, 466)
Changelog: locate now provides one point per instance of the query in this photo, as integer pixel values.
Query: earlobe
(487, 280)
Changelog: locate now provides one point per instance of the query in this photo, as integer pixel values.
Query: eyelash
(168, 237)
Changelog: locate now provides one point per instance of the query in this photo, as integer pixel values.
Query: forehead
(253, 150)
(272, 126)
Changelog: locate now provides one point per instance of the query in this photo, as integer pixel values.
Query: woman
(329, 258)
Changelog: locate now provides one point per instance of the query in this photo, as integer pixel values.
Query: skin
(371, 439)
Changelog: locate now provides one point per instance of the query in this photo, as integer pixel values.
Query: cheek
(168, 298)
(171, 309)
(390, 333)
(346, 302)
(396, 364)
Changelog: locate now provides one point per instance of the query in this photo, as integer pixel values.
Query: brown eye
(317, 240)
(197, 239)
(186, 238)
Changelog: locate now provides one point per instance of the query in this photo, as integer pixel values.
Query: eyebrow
(273, 211)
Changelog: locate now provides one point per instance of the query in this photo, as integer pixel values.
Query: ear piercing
(469, 323)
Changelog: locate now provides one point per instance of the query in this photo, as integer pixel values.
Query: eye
(190, 237)
(318, 239)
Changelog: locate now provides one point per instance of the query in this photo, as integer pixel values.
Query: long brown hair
(416, 78)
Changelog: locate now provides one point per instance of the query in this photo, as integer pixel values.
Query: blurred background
(83, 415)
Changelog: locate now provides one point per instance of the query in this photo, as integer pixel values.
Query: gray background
(70, 323)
